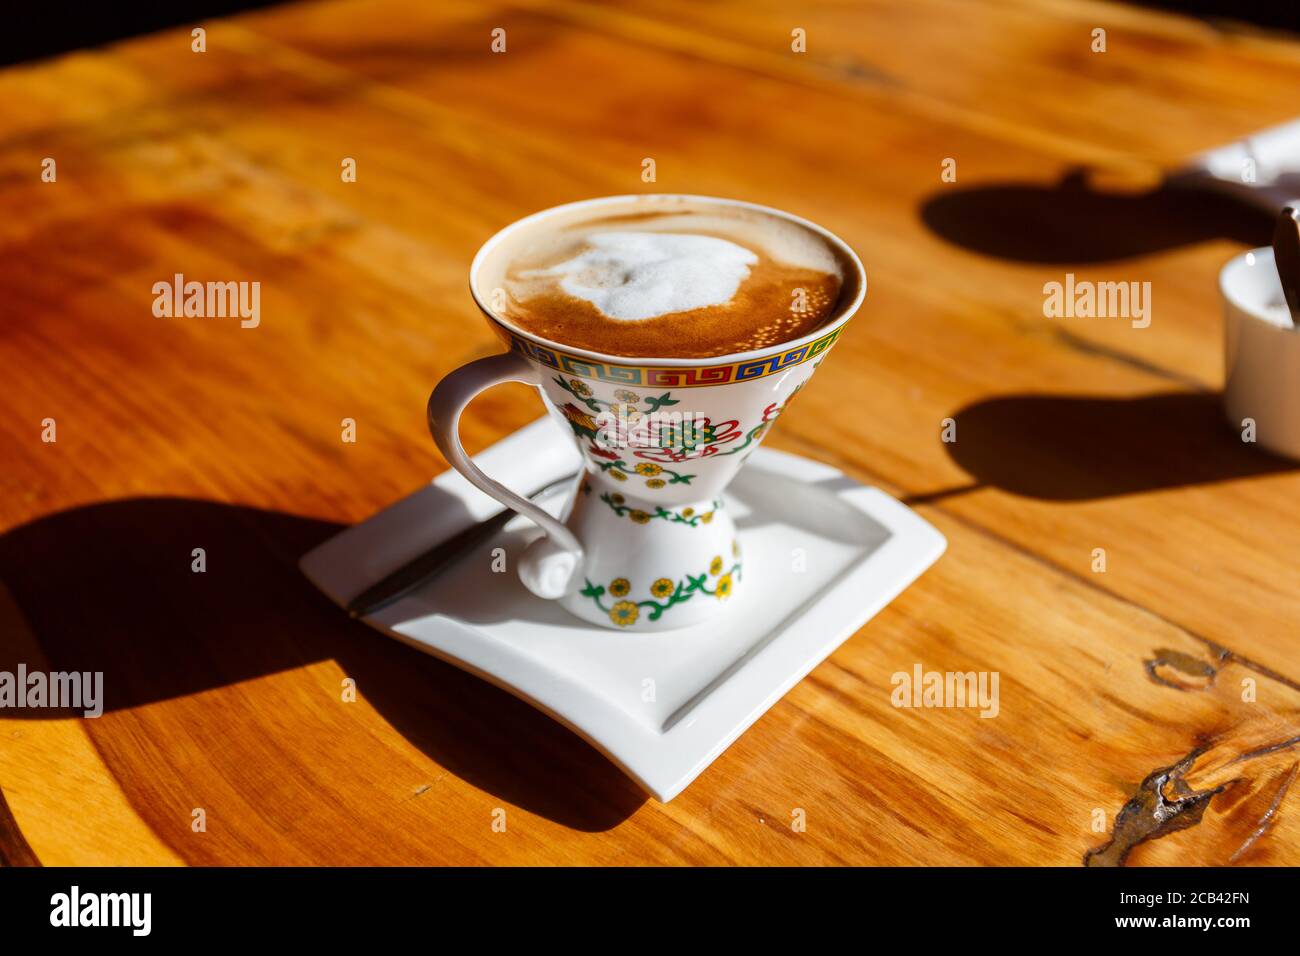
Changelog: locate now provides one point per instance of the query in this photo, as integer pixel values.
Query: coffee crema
(667, 277)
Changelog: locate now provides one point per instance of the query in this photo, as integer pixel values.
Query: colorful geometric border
(667, 377)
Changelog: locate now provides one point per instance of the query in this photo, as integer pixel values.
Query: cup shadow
(1079, 448)
(1070, 222)
(109, 587)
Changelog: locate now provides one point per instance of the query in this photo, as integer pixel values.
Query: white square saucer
(823, 554)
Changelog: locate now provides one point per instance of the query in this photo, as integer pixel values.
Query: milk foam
(641, 275)
(665, 276)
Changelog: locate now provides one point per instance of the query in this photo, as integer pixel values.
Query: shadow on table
(1077, 448)
(1071, 222)
(109, 587)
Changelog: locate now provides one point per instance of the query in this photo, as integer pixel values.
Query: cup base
(652, 567)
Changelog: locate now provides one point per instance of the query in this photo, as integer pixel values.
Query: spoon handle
(1286, 255)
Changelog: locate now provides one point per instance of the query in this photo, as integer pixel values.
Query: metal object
(1286, 255)
(428, 565)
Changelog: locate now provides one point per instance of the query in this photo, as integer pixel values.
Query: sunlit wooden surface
(1073, 435)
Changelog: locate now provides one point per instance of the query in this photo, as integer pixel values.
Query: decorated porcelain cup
(644, 541)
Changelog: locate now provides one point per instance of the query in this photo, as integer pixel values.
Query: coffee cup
(1261, 389)
(645, 540)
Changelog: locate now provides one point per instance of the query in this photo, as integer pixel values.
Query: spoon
(1286, 255)
(438, 558)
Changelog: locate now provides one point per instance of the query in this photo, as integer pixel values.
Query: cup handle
(551, 566)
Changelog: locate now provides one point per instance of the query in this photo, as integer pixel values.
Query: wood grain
(1170, 677)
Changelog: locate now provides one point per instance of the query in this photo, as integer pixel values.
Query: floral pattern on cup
(656, 476)
(707, 442)
(687, 516)
(691, 439)
(717, 582)
(624, 399)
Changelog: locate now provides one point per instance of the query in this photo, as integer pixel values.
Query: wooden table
(1170, 676)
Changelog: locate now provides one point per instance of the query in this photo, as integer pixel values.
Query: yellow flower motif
(624, 613)
(626, 411)
(617, 475)
(723, 589)
(687, 512)
(706, 517)
(619, 587)
(623, 395)
(580, 387)
(735, 549)
(655, 483)
(640, 517)
(616, 498)
(648, 468)
(662, 588)
(715, 566)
